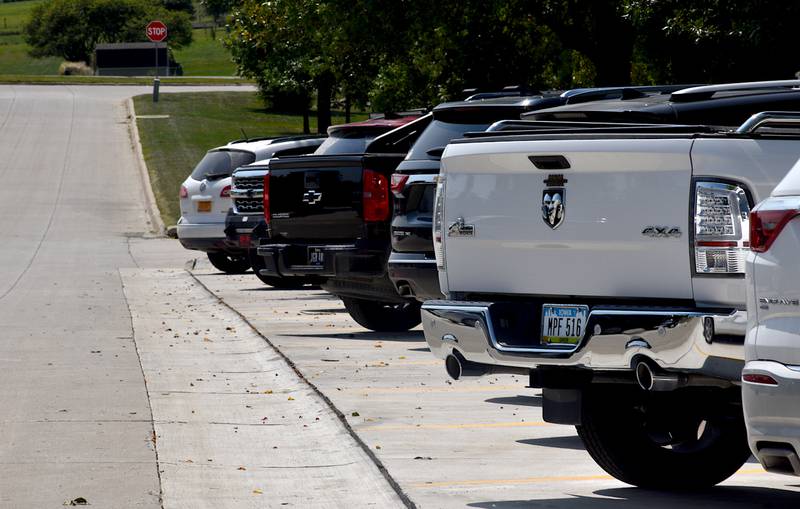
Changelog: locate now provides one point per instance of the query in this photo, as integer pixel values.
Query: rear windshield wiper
(216, 176)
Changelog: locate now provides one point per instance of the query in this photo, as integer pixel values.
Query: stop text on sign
(156, 31)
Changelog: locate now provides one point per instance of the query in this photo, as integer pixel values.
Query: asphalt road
(74, 414)
(473, 443)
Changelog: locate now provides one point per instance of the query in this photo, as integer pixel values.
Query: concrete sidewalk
(235, 425)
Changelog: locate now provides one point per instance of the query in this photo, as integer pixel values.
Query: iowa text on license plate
(563, 324)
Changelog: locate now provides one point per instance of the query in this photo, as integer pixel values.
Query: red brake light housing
(399, 183)
(758, 378)
(226, 192)
(376, 196)
(267, 213)
(768, 220)
(184, 192)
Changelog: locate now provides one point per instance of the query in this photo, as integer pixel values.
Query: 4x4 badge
(553, 207)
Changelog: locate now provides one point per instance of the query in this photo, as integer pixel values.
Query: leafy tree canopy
(70, 29)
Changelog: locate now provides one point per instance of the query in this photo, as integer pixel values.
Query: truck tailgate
(612, 192)
(319, 199)
(316, 197)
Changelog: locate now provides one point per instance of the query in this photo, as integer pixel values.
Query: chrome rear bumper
(676, 340)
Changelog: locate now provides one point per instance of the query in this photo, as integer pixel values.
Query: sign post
(156, 32)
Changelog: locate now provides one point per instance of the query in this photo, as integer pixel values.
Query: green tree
(716, 40)
(217, 9)
(186, 6)
(70, 29)
(283, 45)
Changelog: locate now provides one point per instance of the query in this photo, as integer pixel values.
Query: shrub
(74, 69)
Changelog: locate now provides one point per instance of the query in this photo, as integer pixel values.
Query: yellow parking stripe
(449, 388)
(535, 480)
(477, 425)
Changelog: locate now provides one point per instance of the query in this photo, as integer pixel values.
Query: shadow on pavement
(412, 336)
(567, 442)
(424, 349)
(266, 288)
(521, 400)
(728, 497)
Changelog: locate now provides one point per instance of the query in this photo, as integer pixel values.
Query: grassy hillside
(198, 122)
(204, 57)
(14, 58)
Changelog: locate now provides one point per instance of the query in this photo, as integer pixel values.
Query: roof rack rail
(769, 119)
(523, 125)
(708, 91)
(598, 129)
(474, 94)
(581, 95)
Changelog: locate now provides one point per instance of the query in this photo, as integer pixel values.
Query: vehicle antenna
(244, 134)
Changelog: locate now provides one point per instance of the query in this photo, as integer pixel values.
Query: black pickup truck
(328, 218)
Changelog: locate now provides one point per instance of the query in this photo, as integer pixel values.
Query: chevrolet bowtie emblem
(311, 197)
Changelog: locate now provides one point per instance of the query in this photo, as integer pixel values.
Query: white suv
(771, 376)
(205, 200)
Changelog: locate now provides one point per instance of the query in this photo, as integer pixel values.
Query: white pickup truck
(610, 266)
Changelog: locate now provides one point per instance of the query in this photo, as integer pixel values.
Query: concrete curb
(342, 419)
(156, 223)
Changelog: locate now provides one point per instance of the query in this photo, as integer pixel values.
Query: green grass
(14, 14)
(113, 80)
(205, 56)
(14, 57)
(198, 122)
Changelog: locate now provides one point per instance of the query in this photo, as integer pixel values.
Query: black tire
(383, 316)
(228, 263)
(690, 451)
(277, 282)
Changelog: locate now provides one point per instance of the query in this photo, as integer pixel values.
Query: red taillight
(184, 192)
(757, 378)
(376, 196)
(399, 183)
(765, 225)
(267, 214)
(226, 192)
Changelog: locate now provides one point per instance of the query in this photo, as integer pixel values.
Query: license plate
(204, 206)
(316, 256)
(563, 324)
(244, 240)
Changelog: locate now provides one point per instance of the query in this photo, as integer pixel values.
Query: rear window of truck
(439, 134)
(345, 143)
(221, 163)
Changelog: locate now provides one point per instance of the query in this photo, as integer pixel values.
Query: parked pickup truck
(247, 194)
(412, 265)
(328, 218)
(610, 266)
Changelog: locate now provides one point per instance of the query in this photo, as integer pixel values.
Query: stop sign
(156, 31)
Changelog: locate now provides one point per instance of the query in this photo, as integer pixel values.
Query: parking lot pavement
(234, 425)
(477, 443)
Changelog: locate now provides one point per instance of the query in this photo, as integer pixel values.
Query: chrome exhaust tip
(651, 380)
(453, 366)
(458, 367)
